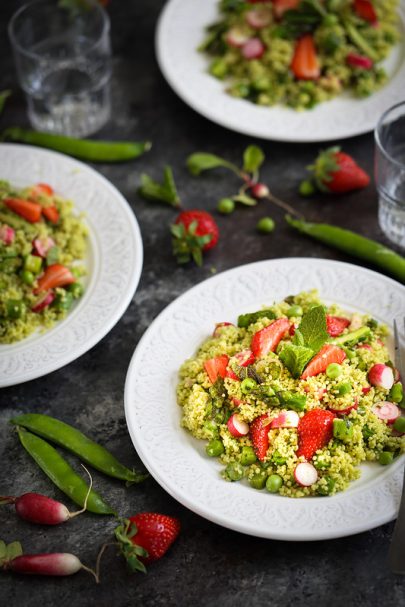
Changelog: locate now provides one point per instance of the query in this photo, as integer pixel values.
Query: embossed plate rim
(74, 174)
(152, 420)
(180, 29)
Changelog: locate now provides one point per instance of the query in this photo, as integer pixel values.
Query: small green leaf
(313, 328)
(200, 161)
(253, 158)
(295, 358)
(4, 95)
(161, 192)
(245, 199)
(13, 550)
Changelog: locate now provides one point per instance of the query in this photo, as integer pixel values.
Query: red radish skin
(259, 190)
(305, 474)
(366, 389)
(286, 419)
(355, 60)
(244, 358)
(236, 426)
(7, 234)
(42, 246)
(364, 347)
(346, 411)
(253, 49)
(382, 376)
(236, 38)
(43, 302)
(55, 564)
(219, 326)
(237, 402)
(386, 411)
(258, 18)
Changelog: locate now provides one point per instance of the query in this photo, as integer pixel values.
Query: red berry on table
(337, 172)
(193, 232)
(315, 429)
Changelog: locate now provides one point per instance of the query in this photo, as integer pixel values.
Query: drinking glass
(390, 173)
(63, 60)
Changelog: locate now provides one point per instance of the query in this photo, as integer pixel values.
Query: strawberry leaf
(124, 533)
(186, 244)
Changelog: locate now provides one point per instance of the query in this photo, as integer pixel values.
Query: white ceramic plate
(181, 30)
(178, 461)
(114, 261)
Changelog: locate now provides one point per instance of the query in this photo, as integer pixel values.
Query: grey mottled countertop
(208, 565)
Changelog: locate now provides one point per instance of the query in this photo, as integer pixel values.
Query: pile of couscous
(295, 397)
(301, 53)
(42, 245)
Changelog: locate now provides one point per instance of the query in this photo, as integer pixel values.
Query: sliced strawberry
(305, 64)
(281, 6)
(43, 302)
(54, 276)
(244, 358)
(315, 429)
(335, 325)
(231, 374)
(216, 367)
(41, 189)
(51, 213)
(365, 10)
(31, 211)
(259, 435)
(253, 49)
(266, 340)
(327, 354)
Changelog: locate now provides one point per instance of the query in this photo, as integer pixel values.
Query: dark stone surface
(208, 565)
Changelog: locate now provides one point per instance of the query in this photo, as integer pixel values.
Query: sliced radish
(366, 389)
(7, 234)
(364, 347)
(321, 393)
(236, 402)
(236, 425)
(236, 37)
(253, 49)
(381, 376)
(42, 246)
(361, 61)
(305, 474)
(386, 411)
(345, 411)
(219, 326)
(258, 18)
(44, 301)
(244, 358)
(286, 419)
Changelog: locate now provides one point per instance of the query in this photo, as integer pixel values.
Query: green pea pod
(85, 149)
(61, 474)
(353, 244)
(78, 443)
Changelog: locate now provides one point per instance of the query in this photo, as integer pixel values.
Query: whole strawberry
(315, 429)
(337, 172)
(193, 232)
(146, 537)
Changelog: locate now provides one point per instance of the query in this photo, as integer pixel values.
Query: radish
(44, 301)
(219, 326)
(355, 60)
(7, 234)
(305, 474)
(345, 411)
(236, 402)
(58, 564)
(364, 347)
(42, 246)
(244, 358)
(386, 411)
(259, 190)
(286, 419)
(236, 425)
(236, 37)
(381, 376)
(366, 389)
(37, 508)
(253, 49)
(258, 18)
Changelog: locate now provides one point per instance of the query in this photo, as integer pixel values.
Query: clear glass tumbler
(390, 173)
(63, 60)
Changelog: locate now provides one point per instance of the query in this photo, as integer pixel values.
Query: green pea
(399, 424)
(342, 429)
(278, 459)
(234, 471)
(274, 483)
(247, 385)
(247, 456)
(328, 488)
(343, 388)
(265, 225)
(333, 370)
(27, 277)
(76, 289)
(15, 308)
(226, 206)
(294, 311)
(330, 19)
(218, 68)
(258, 480)
(33, 264)
(396, 393)
(214, 448)
(307, 188)
(211, 428)
(386, 458)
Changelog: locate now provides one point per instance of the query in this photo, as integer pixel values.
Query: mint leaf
(200, 161)
(253, 158)
(313, 329)
(295, 358)
(161, 192)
